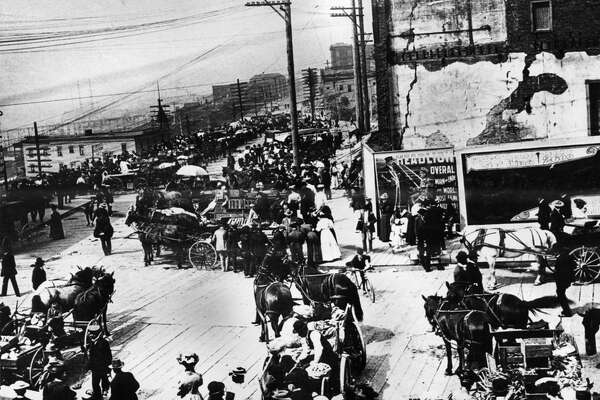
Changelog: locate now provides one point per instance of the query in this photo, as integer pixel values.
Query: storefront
(412, 175)
(503, 184)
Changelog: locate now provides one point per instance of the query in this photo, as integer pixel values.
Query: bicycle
(367, 289)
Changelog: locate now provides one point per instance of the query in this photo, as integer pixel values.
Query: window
(593, 90)
(349, 88)
(59, 151)
(541, 16)
(341, 88)
(81, 150)
(32, 168)
(124, 147)
(71, 149)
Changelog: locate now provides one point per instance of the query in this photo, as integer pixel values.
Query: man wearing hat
(9, 272)
(38, 276)
(557, 220)
(99, 360)
(103, 230)
(216, 390)
(20, 388)
(123, 385)
(296, 239)
(56, 388)
(189, 384)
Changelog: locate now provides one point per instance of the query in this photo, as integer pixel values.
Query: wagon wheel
(344, 373)
(354, 346)
(587, 268)
(202, 255)
(37, 372)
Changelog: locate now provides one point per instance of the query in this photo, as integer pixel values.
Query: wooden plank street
(159, 312)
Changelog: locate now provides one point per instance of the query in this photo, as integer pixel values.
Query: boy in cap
(20, 388)
(99, 359)
(124, 385)
(38, 276)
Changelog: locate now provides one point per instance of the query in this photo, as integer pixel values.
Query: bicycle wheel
(370, 290)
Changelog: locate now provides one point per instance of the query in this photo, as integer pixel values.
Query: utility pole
(363, 66)
(4, 172)
(239, 92)
(37, 148)
(310, 82)
(284, 10)
(360, 115)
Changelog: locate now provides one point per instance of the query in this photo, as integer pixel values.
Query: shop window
(541, 16)
(82, 150)
(71, 149)
(59, 151)
(593, 90)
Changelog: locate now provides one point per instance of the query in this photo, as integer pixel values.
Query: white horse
(491, 243)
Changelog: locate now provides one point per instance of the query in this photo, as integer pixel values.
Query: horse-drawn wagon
(58, 327)
(129, 181)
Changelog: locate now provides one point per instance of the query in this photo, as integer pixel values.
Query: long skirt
(329, 248)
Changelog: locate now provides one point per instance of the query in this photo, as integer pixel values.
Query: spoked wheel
(587, 268)
(345, 375)
(354, 346)
(370, 290)
(202, 255)
(37, 373)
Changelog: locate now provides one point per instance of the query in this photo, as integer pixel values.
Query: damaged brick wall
(530, 86)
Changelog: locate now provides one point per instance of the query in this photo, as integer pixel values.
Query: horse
(468, 328)
(503, 309)
(93, 302)
(273, 299)
(336, 288)
(491, 243)
(151, 234)
(65, 295)
(148, 198)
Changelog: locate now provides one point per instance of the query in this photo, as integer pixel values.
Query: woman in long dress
(329, 247)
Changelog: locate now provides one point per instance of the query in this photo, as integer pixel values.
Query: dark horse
(64, 294)
(152, 234)
(93, 302)
(470, 329)
(503, 309)
(336, 288)
(273, 300)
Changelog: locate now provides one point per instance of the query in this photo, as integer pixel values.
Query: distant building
(268, 87)
(70, 151)
(341, 56)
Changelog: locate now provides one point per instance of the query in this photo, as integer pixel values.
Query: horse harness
(482, 233)
(487, 299)
(440, 332)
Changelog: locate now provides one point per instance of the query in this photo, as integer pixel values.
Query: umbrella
(319, 164)
(191, 170)
(164, 165)
(182, 157)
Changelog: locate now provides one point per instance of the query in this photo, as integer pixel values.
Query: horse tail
(534, 306)
(36, 304)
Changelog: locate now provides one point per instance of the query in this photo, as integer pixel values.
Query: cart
(27, 345)
(348, 342)
(129, 181)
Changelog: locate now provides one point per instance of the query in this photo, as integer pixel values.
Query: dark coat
(544, 212)
(279, 241)
(313, 245)
(123, 386)
(470, 274)
(38, 276)
(557, 223)
(9, 266)
(564, 270)
(56, 228)
(103, 228)
(295, 239)
(100, 356)
(358, 262)
(58, 390)
(258, 243)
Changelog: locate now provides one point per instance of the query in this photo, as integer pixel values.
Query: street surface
(160, 311)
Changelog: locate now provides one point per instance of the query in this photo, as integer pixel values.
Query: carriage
(346, 338)
(30, 341)
(123, 182)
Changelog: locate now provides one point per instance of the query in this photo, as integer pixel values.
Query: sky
(69, 49)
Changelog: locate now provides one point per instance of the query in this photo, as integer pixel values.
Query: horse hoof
(448, 372)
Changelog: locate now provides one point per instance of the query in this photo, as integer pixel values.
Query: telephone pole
(363, 66)
(284, 10)
(360, 115)
(37, 148)
(239, 93)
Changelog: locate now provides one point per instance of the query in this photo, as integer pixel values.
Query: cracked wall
(527, 97)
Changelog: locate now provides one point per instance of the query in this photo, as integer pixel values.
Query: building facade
(473, 72)
(71, 151)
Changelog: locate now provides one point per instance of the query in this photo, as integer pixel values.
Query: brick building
(472, 72)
